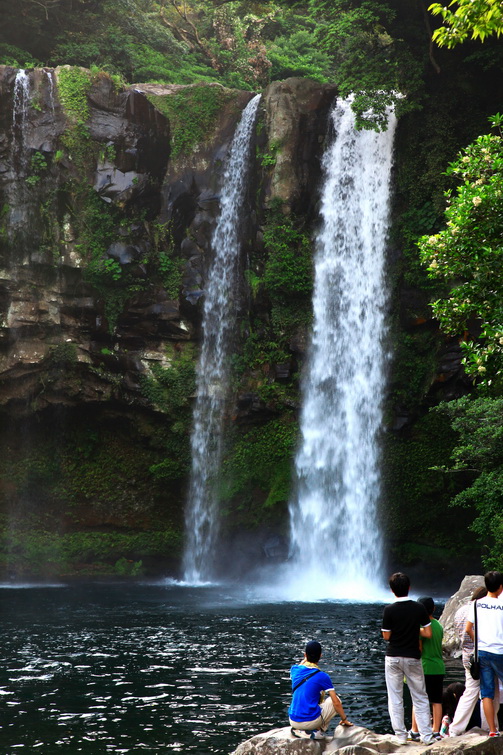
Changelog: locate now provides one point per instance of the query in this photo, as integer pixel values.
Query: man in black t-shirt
(404, 622)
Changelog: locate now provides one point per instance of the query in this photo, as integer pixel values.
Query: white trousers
(322, 722)
(395, 671)
(466, 705)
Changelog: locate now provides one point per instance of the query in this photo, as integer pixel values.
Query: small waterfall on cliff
(335, 541)
(50, 86)
(17, 193)
(202, 520)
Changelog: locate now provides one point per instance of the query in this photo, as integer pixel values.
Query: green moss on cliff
(42, 553)
(171, 390)
(78, 494)
(73, 87)
(257, 474)
(415, 496)
(192, 113)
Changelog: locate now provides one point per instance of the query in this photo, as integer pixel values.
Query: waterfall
(17, 193)
(219, 317)
(336, 546)
(50, 88)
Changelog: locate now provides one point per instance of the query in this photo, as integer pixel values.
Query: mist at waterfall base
(159, 668)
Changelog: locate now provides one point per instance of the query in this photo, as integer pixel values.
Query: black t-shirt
(404, 619)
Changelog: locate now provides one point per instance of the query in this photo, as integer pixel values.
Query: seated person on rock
(314, 700)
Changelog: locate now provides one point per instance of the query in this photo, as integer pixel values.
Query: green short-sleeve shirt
(431, 656)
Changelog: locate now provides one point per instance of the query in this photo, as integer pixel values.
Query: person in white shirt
(490, 642)
(471, 696)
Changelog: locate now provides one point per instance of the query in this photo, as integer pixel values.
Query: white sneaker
(308, 734)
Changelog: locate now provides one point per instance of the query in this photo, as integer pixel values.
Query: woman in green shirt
(434, 671)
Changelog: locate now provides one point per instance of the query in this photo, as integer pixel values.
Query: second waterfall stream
(219, 321)
(336, 549)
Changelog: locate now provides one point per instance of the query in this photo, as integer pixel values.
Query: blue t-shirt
(305, 704)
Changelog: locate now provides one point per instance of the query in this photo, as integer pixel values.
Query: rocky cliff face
(109, 200)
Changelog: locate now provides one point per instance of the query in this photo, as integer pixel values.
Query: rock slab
(451, 642)
(360, 741)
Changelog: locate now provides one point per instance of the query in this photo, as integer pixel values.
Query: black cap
(313, 651)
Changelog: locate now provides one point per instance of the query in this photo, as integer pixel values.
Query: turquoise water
(152, 668)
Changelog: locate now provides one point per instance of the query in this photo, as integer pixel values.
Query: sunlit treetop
(467, 19)
(468, 256)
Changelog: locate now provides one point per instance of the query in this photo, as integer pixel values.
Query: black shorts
(434, 687)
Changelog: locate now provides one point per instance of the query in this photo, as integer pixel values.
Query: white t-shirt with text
(490, 624)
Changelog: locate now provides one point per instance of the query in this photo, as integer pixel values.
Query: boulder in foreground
(360, 741)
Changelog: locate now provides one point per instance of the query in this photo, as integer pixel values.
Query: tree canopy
(468, 255)
(469, 19)
(375, 48)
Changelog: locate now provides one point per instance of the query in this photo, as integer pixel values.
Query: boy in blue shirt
(309, 713)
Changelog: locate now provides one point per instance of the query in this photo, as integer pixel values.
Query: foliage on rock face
(371, 55)
(468, 255)
(256, 475)
(192, 114)
(416, 496)
(80, 495)
(87, 553)
(171, 389)
(289, 267)
(467, 19)
(479, 455)
(367, 46)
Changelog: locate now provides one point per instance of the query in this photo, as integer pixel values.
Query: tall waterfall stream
(17, 193)
(335, 540)
(219, 317)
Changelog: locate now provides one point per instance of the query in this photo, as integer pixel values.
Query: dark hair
(313, 651)
(428, 603)
(479, 593)
(400, 584)
(450, 698)
(493, 580)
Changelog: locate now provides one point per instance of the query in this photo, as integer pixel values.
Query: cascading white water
(336, 545)
(21, 99)
(17, 192)
(50, 87)
(219, 319)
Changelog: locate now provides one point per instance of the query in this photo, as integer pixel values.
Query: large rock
(360, 741)
(296, 119)
(451, 642)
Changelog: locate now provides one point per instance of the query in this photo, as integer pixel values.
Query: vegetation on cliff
(376, 48)
(467, 255)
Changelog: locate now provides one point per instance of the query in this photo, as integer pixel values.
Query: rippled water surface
(126, 669)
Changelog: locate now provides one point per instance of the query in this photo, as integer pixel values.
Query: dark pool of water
(153, 668)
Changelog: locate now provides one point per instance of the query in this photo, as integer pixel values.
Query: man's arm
(338, 707)
(426, 631)
(469, 630)
(386, 634)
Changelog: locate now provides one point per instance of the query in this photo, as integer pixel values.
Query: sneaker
(413, 736)
(437, 736)
(494, 733)
(307, 733)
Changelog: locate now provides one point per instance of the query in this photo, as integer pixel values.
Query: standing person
(471, 696)
(404, 622)
(434, 671)
(309, 713)
(490, 642)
